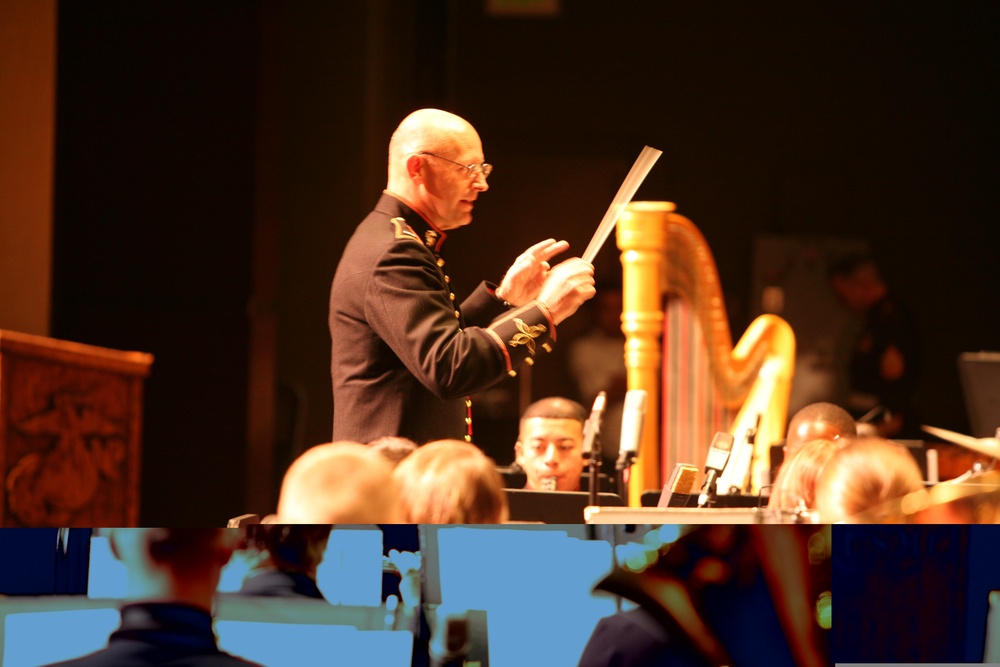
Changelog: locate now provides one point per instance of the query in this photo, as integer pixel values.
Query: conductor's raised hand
(526, 276)
(567, 285)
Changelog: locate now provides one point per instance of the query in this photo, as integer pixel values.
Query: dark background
(213, 158)
(913, 594)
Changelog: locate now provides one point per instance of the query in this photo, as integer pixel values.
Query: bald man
(407, 352)
(338, 482)
(818, 421)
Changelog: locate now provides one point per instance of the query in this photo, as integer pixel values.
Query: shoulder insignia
(403, 230)
(527, 334)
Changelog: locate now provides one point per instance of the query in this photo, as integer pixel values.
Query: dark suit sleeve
(482, 306)
(410, 306)
(633, 639)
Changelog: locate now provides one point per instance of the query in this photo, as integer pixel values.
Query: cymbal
(975, 499)
(987, 446)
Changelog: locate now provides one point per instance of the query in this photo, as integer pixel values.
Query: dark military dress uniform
(161, 634)
(281, 584)
(406, 355)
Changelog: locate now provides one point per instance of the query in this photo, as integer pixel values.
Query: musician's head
(864, 475)
(450, 481)
(857, 282)
(338, 482)
(394, 448)
(795, 486)
(550, 444)
(287, 548)
(818, 421)
(436, 166)
(173, 564)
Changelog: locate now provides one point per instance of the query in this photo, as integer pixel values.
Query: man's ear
(518, 451)
(414, 167)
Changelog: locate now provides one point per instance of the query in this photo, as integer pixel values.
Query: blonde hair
(338, 482)
(450, 481)
(862, 476)
(795, 485)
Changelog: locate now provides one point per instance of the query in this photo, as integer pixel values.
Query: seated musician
(450, 481)
(172, 577)
(549, 446)
(864, 476)
(795, 487)
(283, 560)
(338, 482)
(818, 421)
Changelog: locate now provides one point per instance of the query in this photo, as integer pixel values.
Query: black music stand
(555, 506)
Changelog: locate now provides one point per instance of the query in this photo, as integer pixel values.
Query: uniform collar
(432, 237)
(168, 623)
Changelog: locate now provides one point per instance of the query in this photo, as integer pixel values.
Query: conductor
(406, 353)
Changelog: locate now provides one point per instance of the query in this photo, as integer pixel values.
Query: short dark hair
(555, 407)
(828, 413)
(847, 265)
(292, 548)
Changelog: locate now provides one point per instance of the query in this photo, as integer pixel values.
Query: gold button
(457, 314)
(440, 262)
(468, 402)
(529, 361)
(512, 373)
(468, 438)
(447, 279)
(451, 296)
(468, 420)
(546, 347)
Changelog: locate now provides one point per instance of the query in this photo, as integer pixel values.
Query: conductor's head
(436, 167)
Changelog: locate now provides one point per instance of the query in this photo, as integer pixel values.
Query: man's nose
(479, 183)
(551, 456)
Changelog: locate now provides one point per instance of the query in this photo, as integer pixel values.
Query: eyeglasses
(485, 167)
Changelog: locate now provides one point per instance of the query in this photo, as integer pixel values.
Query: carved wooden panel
(70, 431)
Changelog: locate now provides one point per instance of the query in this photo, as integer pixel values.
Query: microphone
(681, 483)
(715, 463)
(633, 417)
(592, 446)
(592, 428)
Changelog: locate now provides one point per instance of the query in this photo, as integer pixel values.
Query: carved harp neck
(665, 256)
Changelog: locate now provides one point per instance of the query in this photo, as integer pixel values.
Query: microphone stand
(624, 462)
(594, 467)
(709, 494)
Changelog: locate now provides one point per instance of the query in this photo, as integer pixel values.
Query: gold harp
(678, 348)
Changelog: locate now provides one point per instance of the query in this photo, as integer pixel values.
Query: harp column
(641, 234)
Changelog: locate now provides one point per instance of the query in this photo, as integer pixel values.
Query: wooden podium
(70, 432)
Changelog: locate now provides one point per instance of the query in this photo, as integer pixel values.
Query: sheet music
(647, 158)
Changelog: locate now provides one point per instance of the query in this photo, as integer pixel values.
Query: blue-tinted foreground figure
(172, 577)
